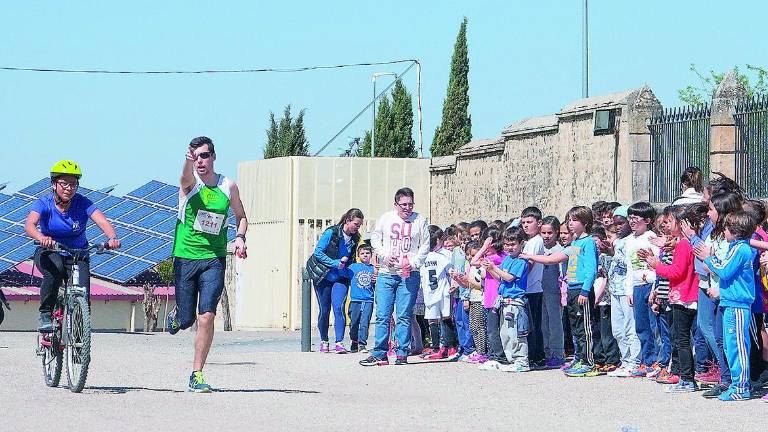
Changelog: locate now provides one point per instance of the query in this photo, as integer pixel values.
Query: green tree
(402, 145)
(164, 269)
(455, 130)
(702, 92)
(286, 138)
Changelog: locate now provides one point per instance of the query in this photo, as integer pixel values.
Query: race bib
(207, 222)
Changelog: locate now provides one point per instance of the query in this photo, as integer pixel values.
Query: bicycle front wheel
(78, 342)
(51, 354)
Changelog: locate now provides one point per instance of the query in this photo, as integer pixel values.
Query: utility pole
(585, 52)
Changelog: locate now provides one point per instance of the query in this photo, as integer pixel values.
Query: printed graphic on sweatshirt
(573, 253)
(400, 239)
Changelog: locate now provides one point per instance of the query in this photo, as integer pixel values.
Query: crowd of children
(677, 295)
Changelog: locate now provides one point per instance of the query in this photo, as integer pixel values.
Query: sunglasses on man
(203, 155)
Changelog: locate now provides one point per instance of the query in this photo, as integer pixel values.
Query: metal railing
(679, 139)
(751, 118)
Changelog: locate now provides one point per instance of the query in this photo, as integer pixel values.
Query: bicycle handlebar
(99, 247)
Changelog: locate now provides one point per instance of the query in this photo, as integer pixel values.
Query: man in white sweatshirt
(401, 242)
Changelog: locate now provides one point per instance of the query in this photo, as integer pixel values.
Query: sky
(525, 60)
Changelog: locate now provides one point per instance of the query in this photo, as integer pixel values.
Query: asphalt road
(138, 382)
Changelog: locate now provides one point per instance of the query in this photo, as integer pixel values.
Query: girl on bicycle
(62, 217)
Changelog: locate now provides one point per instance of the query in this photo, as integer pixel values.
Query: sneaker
(583, 371)
(324, 347)
(490, 365)
(568, 365)
(711, 376)
(682, 387)
(442, 353)
(662, 372)
(639, 372)
(463, 358)
(609, 368)
(477, 358)
(373, 361)
(598, 368)
(171, 325)
(506, 368)
(764, 398)
(426, 353)
(713, 392)
(197, 383)
(621, 373)
(340, 349)
(520, 369)
(554, 362)
(45, 325)
(576, 365)
(671, 379)
(730, 395)
(353, 347)
(653, 371)
(453, 353)
(542, 364)
(401, 360)
(362, 348)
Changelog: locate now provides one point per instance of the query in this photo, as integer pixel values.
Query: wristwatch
(242, 236)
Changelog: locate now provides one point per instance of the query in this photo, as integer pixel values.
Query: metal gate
(751, 117)
(679, 139)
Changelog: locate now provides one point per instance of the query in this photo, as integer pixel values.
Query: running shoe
(477, 358)
(353, 347)
(490, 365)
(609, 368)
(682, 387)
(401, 361)
(554, 362)
(373, 361)
(583, 371)
(639, 372)
(197, 383)
(730, 395)
(621, 373)
(45, 325)
(764, 398)
(598, 368)
(324, 347)
(713, 392)
(453, 353)
(442, 353)
(171, 324)
(340, 349)
(711, 377)
(426, 353)
(538, 365)
(519, 369)
(576, 365)
(363, 348)
(654, 371)
(661, 376)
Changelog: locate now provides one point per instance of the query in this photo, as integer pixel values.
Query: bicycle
(72, 308)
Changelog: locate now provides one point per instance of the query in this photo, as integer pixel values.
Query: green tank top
(201, 226)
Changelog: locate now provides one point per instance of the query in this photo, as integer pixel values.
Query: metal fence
(751, 117)
(679, 139)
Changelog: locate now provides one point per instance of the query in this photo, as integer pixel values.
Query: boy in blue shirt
(737, 292)
(513, 274)
(361, 299)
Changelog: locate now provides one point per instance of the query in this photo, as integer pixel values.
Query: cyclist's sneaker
(682, 387)
(340, 349)
(401, 360)
(197, 383)
(171, 324)
(353, 347)
(374, 361)
(45, 325)
(713, 392)
(621, 372)
(324, 347)
(731, 395)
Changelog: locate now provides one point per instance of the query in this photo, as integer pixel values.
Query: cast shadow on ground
(246, 363)
(126, 389)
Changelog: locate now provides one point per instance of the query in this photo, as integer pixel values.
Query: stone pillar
(641, 108)
(722, 140)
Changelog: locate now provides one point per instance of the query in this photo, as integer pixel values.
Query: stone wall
(553, 162)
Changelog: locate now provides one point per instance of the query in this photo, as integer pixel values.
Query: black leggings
(54, 267)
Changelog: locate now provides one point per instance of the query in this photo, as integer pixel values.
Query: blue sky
(525, 60)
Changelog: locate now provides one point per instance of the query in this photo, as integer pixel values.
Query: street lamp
(373, 128)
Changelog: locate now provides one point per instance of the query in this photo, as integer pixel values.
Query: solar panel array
(145, 221)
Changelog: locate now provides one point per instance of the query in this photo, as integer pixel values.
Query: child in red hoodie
(683, 295)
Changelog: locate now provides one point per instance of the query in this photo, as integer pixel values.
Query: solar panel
(144, 248)
(19, 214)
(168, 226)
(135, 215)
(5, 265)
(161, 253)
(121, 209)
(108, 202)
(11, 205)
(4, 225)
(5, 236)
(129, 271)
(16, 229)
(11, 243)
(4, 198)
(172, 201)
(153, 219)
(94, 196)
(164, 192)
(22, 253)
(98, 259)
(113, 264)
(146, 189)
(36, 188)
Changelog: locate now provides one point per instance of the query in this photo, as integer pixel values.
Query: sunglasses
(204, 155)
(67, 185)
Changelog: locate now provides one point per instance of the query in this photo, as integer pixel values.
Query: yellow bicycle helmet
(65, 167)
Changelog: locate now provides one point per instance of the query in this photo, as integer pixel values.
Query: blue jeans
(359, 319)
(663, 325)
(394, 294)
(705, 319)
(331, 294)
(645, 323)
(702, 352)
(461, 318)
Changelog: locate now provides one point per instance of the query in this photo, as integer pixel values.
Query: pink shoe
(452, 352)
(439, 355)
(477, 358)
(764, 398)
(324, 347)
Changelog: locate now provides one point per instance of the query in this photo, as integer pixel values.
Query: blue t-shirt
(362, 282)
(67, 228)
(519, 268)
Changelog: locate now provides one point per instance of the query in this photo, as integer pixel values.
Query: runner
(200, 249)
(62, 217)
(401, 238)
